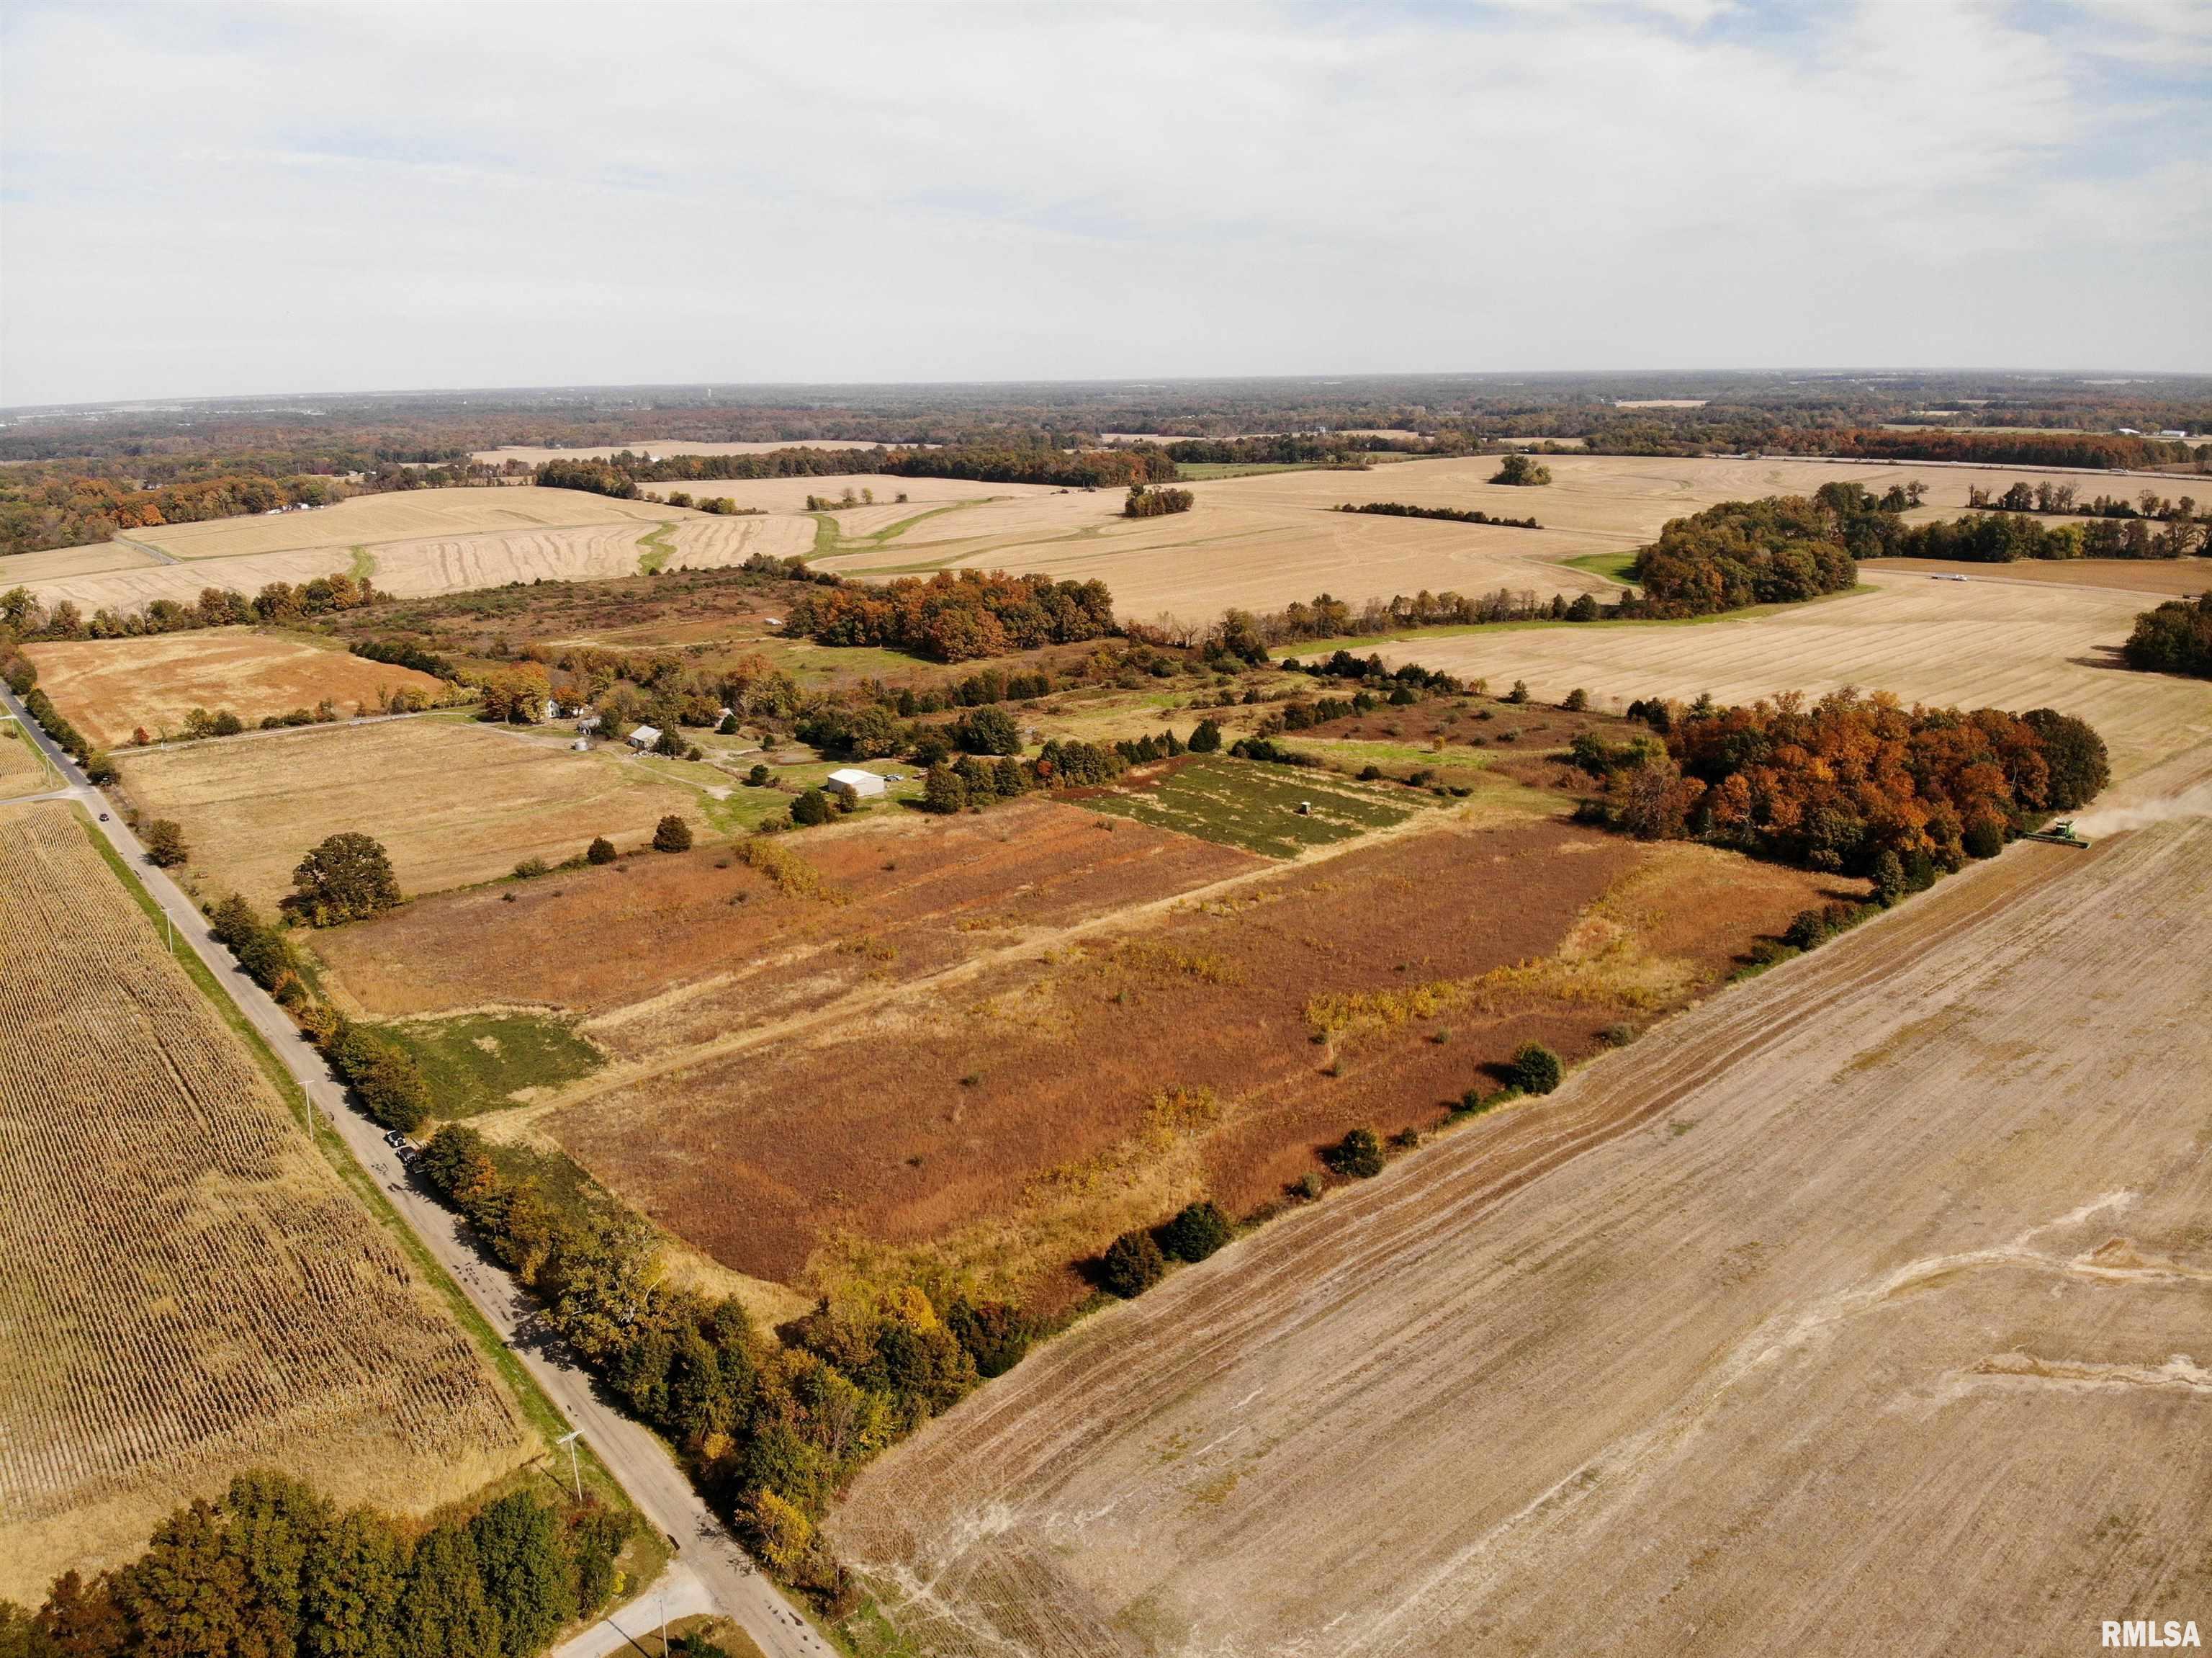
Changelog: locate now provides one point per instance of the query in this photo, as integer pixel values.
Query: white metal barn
(851, 780)
(645, 736)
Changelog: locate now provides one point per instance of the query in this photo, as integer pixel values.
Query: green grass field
(478, 1062)
(1254, 805)
(1613, 566)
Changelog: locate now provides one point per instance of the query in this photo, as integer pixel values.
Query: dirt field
(1861, 1309)
(2012, 645)
(965, 1061)
(454, 801)
(2163, 577)
(185, 1288)
(108, 688)
(28, 568)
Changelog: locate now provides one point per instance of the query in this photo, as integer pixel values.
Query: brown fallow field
(999, 1040)
(1861, 1309)
(454, 801)
(109, 687)
(186, 1290)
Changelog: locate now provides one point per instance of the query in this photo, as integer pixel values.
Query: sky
(201, 200)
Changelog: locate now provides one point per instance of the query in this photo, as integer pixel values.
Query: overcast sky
(199, 200)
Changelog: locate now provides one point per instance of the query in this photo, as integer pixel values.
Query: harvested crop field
(1861, 1309)
(401, 516)
(1973, 644)
(109, 687)
(454, 801)
(998, 1121)
(21, 771)
(2168, 577)
(185, 1288)
(28, 568)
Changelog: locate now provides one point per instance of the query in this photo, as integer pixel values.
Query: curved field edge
(1723, 1299)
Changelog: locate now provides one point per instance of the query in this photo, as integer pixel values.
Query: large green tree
(347, 878)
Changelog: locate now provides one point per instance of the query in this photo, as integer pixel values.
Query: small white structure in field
(851, 780)
(771, 621)
(645, 736)
(582, 745)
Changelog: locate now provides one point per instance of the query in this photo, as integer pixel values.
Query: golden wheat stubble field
(109, 687)
(454, 801)
(186, 1290)
(22, 771)
(1862, 1308)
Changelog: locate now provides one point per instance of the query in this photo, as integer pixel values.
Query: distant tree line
(2175, 638)
(2107, 450)
(2046, 496)
(1450, 514)
(995, 463)
(56, 508)
(273, 1568)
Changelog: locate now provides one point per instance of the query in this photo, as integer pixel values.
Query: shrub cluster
(956, 617)
(2176, 638)
(1156, 503)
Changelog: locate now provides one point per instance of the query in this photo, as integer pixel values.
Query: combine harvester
(2058, 834)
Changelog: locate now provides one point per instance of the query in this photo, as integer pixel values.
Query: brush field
(109, 687)
(185, 1288)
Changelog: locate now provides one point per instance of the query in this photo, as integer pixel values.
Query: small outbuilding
(645, 736)
(851, 780)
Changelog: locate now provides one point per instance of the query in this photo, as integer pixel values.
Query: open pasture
(2011, 645)
(454, 801)
(1269, 809)
(987, 1116)
(1861, 1309)
(109, 687)
(186, 1290)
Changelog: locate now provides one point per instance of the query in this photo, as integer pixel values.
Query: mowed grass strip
(1253, 805)
(481, 1062)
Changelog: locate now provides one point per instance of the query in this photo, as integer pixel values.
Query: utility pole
(663, 1597)
(576, 1473)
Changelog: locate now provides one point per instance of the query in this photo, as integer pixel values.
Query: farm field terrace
(454, 801)
(109, 687)
(186, 1290)
(1912, 1226)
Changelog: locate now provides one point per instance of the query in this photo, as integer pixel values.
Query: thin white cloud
(379, 195)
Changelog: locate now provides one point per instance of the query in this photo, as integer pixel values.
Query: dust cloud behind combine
(1867, 1307)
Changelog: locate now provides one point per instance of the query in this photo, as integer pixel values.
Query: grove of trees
(2175, 638)
(957, 616)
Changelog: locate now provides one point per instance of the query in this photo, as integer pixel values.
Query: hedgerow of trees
(1449, 514)
(273, 1568)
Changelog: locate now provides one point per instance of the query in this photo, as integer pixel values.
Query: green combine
(2058, 834)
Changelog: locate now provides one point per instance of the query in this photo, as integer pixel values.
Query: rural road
(662, 1492)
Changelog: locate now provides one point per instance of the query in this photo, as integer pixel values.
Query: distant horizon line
(154, 402)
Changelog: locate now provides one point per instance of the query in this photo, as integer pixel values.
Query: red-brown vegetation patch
(1006, 1100)
(676, 949)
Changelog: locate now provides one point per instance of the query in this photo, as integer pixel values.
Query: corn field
(185, 1288)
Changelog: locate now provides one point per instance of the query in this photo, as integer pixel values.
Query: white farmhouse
(851, 780)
